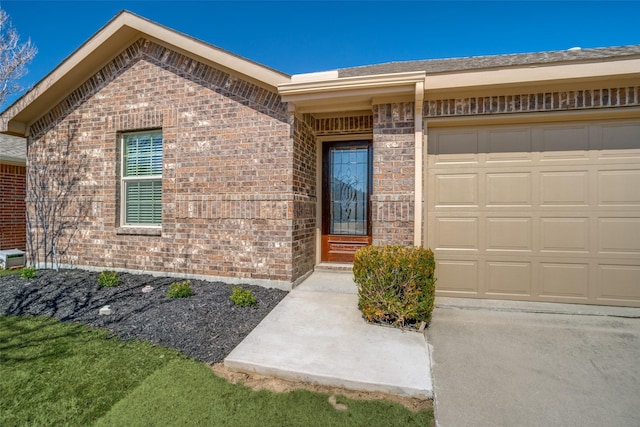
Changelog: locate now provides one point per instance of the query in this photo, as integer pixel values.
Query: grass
(54, 373)
(9, 272)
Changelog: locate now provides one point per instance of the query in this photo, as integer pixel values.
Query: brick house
(13, 185)
(173, 156)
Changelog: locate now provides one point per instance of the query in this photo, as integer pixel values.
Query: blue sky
(298, 37)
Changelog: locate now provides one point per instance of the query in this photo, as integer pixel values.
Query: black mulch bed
(205, 326)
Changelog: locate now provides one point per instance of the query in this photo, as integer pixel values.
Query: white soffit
(347, 93)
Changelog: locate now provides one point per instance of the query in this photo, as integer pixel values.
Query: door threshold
(335, 266)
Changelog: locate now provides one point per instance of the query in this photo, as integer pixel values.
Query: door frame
(325, 144)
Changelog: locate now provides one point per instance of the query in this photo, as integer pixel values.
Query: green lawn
(54, 373)
(8, 272)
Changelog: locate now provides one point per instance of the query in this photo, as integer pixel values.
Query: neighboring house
(170, 155)
(13, 223)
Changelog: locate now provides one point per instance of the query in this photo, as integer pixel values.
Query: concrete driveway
(525, 364)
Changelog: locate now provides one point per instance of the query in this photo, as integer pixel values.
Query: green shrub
(180, 289)
(396, 284)
(28, 272)
(243, 297)
(108, 279)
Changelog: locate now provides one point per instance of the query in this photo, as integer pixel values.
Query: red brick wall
(12, 207)
(232, 205)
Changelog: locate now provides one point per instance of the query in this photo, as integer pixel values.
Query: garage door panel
(509, 234)
(456, 233)
(511, 189)
(619, 282)
(508, 278)
(455, 147)
(456, 189)
(559, 222)
(509, 145)
(457, 276)
(564, 280)
(620, 136)
(619, 187)
(564, 234)
(564, 188)
(619, 235)
(564, 143)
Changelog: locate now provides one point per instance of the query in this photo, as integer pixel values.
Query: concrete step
(335, 266)
(319, 336)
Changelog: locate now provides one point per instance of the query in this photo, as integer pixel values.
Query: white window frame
(128, 179)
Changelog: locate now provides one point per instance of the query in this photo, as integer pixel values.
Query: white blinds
(142, 178)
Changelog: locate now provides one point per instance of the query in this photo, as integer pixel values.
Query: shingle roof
(496, 61)
(13, 148)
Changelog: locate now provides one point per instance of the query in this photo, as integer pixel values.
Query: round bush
(396, 284)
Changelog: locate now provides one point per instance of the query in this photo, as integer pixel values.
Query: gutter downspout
(418, 196)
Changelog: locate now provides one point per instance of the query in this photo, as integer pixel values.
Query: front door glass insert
(348, 190)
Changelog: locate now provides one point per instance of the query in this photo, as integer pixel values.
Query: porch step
(335, 266)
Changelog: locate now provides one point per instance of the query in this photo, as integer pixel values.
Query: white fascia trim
(12, 160)
(308, 77)
(126, 28)
(205, 51)
(351, 83)
(533, 75)
(60, 71)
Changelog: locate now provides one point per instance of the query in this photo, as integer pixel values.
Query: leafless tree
(14, 57)
(57, 199)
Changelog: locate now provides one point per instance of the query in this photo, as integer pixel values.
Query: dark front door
(346, 207)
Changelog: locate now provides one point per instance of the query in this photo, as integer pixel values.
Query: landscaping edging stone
(205, 326)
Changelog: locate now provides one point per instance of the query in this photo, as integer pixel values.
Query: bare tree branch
(14, 57)
(57, 203)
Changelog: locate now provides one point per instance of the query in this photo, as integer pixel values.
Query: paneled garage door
(545, 212)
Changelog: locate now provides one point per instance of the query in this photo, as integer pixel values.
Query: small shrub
(28, 272)
(396, 284)
(108, 279)
(243, 297)
(180, 289)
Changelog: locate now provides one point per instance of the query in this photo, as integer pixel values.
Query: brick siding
(393, 173)
(392, 131)
(12, 207)
(305, 196)
(343, 125)
(534, 102)
(233, 205)
(239, 169)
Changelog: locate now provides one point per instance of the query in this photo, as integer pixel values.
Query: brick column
(393, 174)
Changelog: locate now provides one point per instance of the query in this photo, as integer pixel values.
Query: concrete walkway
(317, 334)
(500, 363)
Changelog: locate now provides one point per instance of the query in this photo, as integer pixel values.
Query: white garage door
(545, 212)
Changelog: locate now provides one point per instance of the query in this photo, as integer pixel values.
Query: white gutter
(418, 196)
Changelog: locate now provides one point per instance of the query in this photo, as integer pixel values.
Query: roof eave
(103, 46)
(347, 93)
(561, 73)
(335, 93)
(12, 160)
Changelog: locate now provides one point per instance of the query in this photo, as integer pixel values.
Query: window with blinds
(142, 178)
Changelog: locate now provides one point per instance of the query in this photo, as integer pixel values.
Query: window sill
(139, 231)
